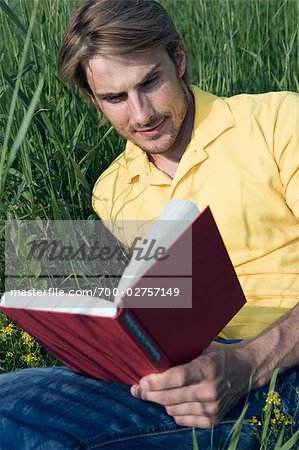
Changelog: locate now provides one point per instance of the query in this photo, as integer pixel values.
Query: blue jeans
(56, 409)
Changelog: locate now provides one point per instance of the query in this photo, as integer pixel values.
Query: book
(140, 334)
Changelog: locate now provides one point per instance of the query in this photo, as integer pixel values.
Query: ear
(180, 59)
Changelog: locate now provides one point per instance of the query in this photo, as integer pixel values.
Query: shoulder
(275, 115)
(264, 106)
(111, 181)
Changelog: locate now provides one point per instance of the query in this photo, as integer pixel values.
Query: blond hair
(114, 27)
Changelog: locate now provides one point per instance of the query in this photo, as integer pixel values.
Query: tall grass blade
(80, 174)
(95, 148)
(22, 130)
(269, 410)
(11, 14)
(280, 440)
(194, 440)
(15, 93)
(236, 430)
(291, 443)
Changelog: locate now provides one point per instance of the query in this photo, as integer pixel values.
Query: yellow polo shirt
(242, 161)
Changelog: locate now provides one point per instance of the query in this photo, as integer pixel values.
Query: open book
(166, 311)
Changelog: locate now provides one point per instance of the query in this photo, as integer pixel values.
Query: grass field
(52, 150)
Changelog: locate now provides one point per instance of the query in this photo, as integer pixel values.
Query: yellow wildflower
(9, 354)
(288, 420)
(273, 398)
(29, 359)
(277, 420)
(8, 330)
(254, 421)
(266, 408)
(28, 340)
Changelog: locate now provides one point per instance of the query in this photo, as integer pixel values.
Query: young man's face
(142, 96)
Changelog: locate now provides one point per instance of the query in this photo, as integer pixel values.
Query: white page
(181, 213)
(76, 304)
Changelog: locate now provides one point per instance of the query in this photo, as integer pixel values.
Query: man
(237, 155)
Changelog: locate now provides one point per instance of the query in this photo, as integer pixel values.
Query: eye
(151, 82)
(115, 98)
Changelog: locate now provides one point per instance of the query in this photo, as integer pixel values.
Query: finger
(174, 377)
(135, 390)
(168, 396)
(202, 392)
(206, 409)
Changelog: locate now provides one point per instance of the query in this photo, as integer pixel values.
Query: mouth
(154, 131)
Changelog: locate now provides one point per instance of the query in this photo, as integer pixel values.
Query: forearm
(276, 347)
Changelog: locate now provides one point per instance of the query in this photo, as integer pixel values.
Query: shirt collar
(212, 117)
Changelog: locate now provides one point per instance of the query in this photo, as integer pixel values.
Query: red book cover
(142, 339)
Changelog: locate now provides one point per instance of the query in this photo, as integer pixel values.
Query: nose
(141, 109)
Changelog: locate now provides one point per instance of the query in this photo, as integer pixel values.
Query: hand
(201, 392)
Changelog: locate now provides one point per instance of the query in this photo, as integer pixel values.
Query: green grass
(52, 150)
(273, 429)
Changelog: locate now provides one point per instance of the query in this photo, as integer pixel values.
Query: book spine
(131, 324)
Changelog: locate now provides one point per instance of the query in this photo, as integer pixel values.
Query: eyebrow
(104, 96)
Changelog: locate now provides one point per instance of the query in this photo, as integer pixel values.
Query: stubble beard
(173, 134)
